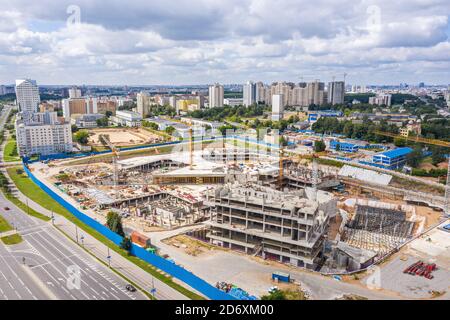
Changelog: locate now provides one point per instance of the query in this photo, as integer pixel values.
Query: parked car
(130, 288)
(6, 208)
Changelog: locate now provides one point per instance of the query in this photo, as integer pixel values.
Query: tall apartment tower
(249, 90)
(74, 93)
(336, 92)
(316, 93)
(215, 96)
(143, 104)
(27, 95)
(277, 107)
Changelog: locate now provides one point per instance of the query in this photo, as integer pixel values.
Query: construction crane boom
(418, 139)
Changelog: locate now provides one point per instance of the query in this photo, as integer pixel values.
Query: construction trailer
(285, 226)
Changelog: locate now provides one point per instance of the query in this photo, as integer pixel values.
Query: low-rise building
(86, 120)
(392, 159)
(233, 102)
(343, 146)
(127, 118)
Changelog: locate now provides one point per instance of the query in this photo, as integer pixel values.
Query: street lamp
(109, 258)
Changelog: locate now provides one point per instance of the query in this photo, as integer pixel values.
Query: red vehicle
(6, 208)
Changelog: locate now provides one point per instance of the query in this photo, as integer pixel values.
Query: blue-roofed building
(392, 159)
(343, 146)
(316, 115)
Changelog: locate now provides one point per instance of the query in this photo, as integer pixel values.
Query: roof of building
(365, 175)
(396, 152)
(360, 255)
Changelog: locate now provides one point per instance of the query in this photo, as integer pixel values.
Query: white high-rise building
(381, 99)
(27, 95)
(42, 134)
(74, 93)
(277, 107)
(143, 104)
(336, 92)
(215, 96)
(249, 93)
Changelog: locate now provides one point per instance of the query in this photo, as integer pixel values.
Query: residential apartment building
(106, 105)
(336, 92)
(316, 93)
(79, 106)
(216, 94)
(74, 93)
(43, 133)
(284, 89)
(27, 95)
(143, 103)
(263, 94)
(381, 100)
(249, 94)
(277, 107)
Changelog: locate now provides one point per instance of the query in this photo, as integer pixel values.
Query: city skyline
(375, 42)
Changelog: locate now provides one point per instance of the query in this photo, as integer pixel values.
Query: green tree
(82, 136)
(319, 146)
(275, 295)
(126, 244)
(102, 122)
(170, 130)
(283, 141)
(114, 223)
(399, 142)
(413, 159)
(74, 128)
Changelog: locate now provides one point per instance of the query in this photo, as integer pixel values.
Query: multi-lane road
(47, 265)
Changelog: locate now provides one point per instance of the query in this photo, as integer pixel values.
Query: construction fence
(158, 262)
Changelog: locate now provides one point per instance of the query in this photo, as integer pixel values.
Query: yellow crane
(417, 139)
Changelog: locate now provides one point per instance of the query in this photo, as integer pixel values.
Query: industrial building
(285, 226)
(316, 115)
(127, 118)
(392, 159)
(343, 146)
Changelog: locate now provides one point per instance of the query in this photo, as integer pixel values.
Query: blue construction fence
(168, 267)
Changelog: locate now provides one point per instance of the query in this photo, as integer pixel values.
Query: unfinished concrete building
(285, 226)
(378, 229)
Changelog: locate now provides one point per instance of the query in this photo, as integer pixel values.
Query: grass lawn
(12, 239)
(4, 225)
(32, 191)
(10, 151)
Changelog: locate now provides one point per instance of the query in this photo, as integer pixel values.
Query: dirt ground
(123, 136)
(190, 245)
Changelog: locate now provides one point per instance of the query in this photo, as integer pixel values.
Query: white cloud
(201, 41)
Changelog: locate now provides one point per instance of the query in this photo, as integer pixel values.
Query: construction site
(267, 204)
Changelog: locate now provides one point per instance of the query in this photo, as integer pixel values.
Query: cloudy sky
(229, 41)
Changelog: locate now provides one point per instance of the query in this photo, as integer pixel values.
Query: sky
(176, 42)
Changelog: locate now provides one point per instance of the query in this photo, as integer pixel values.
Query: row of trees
(363, 131)
(227, 112)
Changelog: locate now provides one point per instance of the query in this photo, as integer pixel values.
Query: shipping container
(140, 239)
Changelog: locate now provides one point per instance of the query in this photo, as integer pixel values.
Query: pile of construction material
(234, 291)
(422, 269)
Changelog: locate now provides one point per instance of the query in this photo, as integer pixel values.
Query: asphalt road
(60, 268)
(47, 265)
